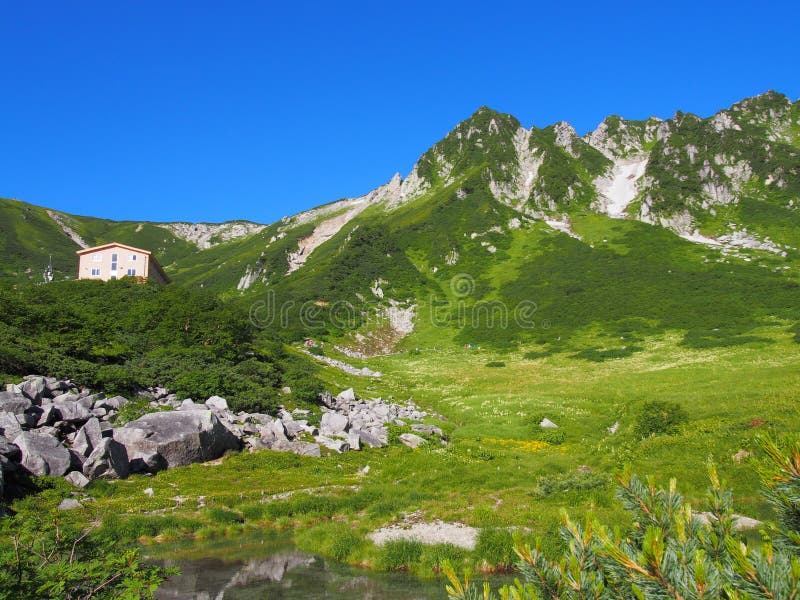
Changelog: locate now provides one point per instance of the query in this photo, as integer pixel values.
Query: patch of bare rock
(50, 427)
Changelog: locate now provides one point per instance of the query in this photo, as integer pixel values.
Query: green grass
(496, 473)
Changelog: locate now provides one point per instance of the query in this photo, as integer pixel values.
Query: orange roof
(112, 245)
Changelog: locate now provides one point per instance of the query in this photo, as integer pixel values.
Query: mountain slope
(585, 229)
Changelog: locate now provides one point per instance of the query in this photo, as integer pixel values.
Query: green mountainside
(685, 224)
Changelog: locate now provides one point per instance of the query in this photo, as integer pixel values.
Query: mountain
(685, 224)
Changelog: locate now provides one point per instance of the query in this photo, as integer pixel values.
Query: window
(133, 257)
(95, 272)
(97, 257)
(113, 262)
(132, 272)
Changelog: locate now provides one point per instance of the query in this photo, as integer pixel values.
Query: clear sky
(208, 111)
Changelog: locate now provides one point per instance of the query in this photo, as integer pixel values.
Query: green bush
(223, 516)
(496, 547)
(555, 437)
(120, 337)
(659, 417)
(399, 555)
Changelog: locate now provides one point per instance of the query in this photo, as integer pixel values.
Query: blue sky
(208, 111)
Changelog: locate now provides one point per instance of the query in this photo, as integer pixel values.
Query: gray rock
(70, 410)
(109, 460)
(147, 462)
(48, 416)
(300, 448)
(99, 412)
(77, 479)
(181, 437)
(354, 441)
(189, 404)
(368, 439)
(54, 388)
(346, 396)
(69, 504)
(337, 445)
(427, 429)
(547, 424)
(77, 460)
(217, 403)
(114, 403)
(411, 440)
(88, 437)
(43, 454)
(9, 449)
(278, 430)
(68, 397)
(86, 402)
(34, 388)
(81, 443)
(14, 403)
(613, 429)
(327, 399)
(333, 423)
(294, 428)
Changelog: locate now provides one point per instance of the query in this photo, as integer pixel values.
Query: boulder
(88, 437)
(338, 445)
(43, 454)
(77, 479)
(346, 396)
(114, 403)
(9, 449)
(34, 388)
(427, 429)
(70, 410)
(354, 441)
(547, 424)
(367, 438)
(411, 440)
(333, 423)
(67, 397)
(181, 437)
(327, 399)
(48, 416)
(14, 403)
(300, 448)
(54, 387)
(294, 428)
(217, 403)
(69, 504)
(109, 460)
(147, 462)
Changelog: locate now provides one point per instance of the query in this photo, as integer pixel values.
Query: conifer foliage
(669, 552)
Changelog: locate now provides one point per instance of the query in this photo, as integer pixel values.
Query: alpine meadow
(568, 359)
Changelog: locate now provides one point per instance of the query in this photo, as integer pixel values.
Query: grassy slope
(27, 237)
(485, 477)
(735, 384)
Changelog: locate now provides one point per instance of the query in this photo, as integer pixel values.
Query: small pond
(264, 566)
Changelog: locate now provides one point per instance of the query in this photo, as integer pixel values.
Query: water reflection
(283, 573)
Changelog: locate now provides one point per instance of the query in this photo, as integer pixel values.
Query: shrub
(399, 555)
(555, 437)
(223, 516)
(496, 547)
(659, 417)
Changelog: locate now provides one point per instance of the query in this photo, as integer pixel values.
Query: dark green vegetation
(121, 337)
(666, 552)
(55, 555)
